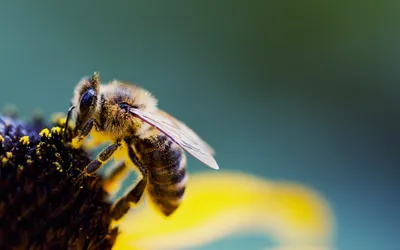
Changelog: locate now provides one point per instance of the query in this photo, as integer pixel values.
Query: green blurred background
(290, 90)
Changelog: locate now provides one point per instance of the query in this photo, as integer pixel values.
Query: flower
(42, 203)
(45, 202)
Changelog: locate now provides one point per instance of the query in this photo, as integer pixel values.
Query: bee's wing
(187, 131)
(180, 134)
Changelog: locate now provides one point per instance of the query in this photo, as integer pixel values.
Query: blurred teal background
(295, 90)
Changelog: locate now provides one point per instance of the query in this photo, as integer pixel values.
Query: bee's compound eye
(87, 98)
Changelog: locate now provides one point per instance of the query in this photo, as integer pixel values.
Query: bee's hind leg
(134, 195)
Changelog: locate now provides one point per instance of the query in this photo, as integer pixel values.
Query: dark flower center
(45, 202)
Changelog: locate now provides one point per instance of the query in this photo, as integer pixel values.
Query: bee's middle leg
(134, 195)
(101, 159)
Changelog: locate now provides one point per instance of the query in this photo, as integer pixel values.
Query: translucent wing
(187, 131)
(180, 134)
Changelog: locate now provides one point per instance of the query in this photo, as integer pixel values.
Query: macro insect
(127, 116)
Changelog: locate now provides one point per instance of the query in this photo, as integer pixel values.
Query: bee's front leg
(83, 133)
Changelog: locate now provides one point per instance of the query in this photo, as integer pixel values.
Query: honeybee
(154, 141)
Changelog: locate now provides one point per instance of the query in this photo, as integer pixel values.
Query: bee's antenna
(67, 120)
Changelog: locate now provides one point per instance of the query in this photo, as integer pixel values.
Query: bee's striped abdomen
(167, 175)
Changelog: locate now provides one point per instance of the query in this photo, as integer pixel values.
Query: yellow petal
(219, 203)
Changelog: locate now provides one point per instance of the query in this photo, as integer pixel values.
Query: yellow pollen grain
(38, 148)
(56, 130)
(9, 154)
(29, 161)
(1, 138)
(58, 167)
(44, 133)
(58, 155)
(24, 140)
(4, 160)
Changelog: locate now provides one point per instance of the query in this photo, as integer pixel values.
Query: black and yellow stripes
(167, 173)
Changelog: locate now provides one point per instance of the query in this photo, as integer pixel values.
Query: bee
(154, 141)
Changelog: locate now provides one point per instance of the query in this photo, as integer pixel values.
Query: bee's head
(85, 99)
